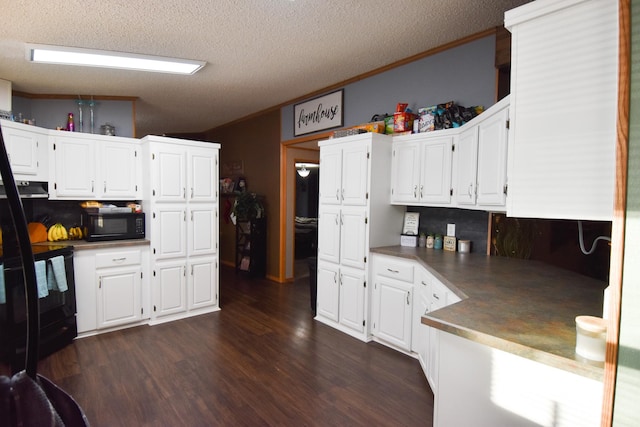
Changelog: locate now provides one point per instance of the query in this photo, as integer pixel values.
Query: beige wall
(255, 142)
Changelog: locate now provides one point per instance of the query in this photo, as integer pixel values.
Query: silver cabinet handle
(119, 259)
(408, 296)
(423, 284)
(415, 191)
(470, 190)
(421, 188)
(337, 194)
(104, 187)
(342, 195)
(392, 271)
(436, 296)
(335, 277)
(92, 186)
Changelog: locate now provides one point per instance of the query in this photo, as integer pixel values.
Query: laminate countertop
(523, 307)
(79, 245)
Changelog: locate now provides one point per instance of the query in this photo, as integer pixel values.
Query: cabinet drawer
(117, 259)
(395, 270)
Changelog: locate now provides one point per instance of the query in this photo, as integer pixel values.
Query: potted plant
(247, 206)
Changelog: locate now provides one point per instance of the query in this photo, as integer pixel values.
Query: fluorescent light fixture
(108, 59)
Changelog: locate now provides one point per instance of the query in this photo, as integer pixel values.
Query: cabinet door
(353, 237)
(169, 174)
(330, 176)
(22, 147)
(202, 282)
(84, 270)
(435, 181)
(168, 228)
(438, 300)
(119, 294)
(202, 227)
(203, 175)
(355, 174)
(169, 288)
(492, 159)
(420, 332)
(329, 234)
(118, 164)
(393, 323)
(74, 168)
(327, 304)
(405, 172)
(352, 283)
(466, 160)
(562, 165)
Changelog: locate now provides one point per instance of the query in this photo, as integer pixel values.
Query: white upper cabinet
(74, 168)
(119, 167)
(492, 159)
(169, 183)
(563, 109)
(345, 174)
(27, 149)
(203, 175)
(480, 160)
(421, 168)
(466, 167)
(85, 166)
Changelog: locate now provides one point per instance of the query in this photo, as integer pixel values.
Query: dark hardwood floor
(261, 360)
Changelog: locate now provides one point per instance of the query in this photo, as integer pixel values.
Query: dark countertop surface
(82, 244)
(79, 245)
(523, 307)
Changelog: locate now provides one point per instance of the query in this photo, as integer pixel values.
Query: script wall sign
(324, 112)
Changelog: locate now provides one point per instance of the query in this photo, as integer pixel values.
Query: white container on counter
(591, 337)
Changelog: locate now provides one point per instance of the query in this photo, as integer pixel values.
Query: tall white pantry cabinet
(354, 214)
(182, 220)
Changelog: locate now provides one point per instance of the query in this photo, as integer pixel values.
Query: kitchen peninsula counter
(523, 307)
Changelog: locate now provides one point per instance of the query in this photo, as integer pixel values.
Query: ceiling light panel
(108, 59)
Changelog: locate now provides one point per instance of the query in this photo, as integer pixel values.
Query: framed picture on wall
(321, 113)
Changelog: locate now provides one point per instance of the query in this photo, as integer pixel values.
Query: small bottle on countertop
(70, 124)
(430, 241)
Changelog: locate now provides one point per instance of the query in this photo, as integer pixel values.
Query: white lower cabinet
(169, 286)
(112, 288)
(421, 306)
(403, 292)
(183, 287)
(341, 297)
(392, 301)
(119, 296)
(202, 291)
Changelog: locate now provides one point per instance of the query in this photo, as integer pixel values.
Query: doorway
(302, 150)
(306, 216)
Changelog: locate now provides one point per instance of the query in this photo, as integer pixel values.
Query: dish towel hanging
(3, 295)
(56, 275)
(41, 278)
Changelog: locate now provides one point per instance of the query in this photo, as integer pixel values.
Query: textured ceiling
(259, 53)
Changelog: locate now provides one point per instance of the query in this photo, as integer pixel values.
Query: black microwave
(114, 226)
